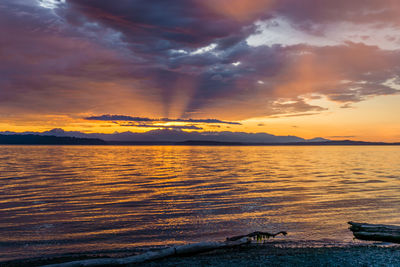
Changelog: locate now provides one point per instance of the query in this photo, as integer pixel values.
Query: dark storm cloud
(118, 118)
(163, 24)
(140, 119)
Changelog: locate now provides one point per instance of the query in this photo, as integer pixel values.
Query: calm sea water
(60, 199)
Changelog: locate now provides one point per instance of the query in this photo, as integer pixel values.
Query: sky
(310, 68)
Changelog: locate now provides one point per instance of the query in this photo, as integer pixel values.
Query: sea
(57, 200)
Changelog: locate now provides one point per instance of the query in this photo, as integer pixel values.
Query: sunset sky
(310, 68)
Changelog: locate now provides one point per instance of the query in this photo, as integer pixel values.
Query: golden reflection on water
(64, 199)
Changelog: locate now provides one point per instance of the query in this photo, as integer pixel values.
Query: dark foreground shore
(275, 256)
(263, 255)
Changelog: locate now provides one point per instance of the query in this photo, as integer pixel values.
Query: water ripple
(64, 199)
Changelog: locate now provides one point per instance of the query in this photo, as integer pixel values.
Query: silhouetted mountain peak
(318, 139)
(56, 131)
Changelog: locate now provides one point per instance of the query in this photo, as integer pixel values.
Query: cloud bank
(191, 59)
(141, 119)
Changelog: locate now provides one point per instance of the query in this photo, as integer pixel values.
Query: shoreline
(275, 253)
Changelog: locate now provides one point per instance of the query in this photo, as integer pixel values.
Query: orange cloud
(238, 9)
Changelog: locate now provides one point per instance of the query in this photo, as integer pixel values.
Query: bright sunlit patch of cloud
(285, 102)
(279, 31)
(392, 83)
(236, 63)
(179, 51)
(204, 49)
(50, 4)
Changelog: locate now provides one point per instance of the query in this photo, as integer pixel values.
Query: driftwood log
(259, 236)
(172, 251)
(376, 232)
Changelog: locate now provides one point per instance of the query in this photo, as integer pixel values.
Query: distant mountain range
(175, 136)
(32, 139)
(167, 137)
